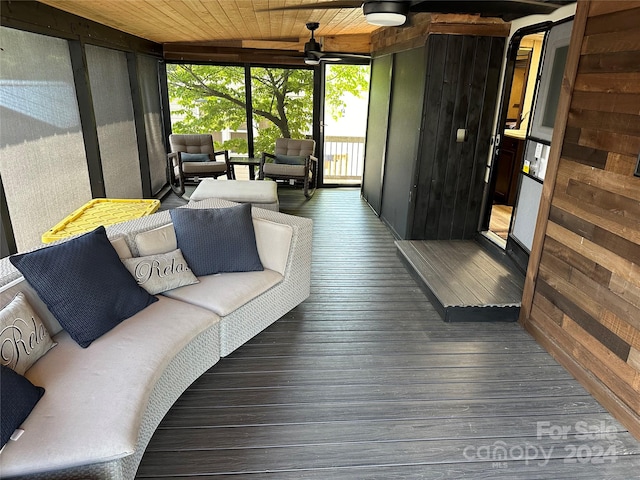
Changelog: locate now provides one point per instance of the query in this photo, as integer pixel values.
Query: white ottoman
(259, 193)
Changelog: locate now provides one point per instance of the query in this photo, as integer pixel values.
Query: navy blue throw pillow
(217, 240)
(84, 284)
(18, 396)
(194, 157)
(290, 159)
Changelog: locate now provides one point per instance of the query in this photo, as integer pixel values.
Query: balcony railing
(343, 159)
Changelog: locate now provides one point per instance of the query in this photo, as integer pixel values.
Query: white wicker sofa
(103, 403)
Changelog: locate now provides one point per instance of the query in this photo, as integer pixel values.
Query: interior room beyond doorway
(509, 161)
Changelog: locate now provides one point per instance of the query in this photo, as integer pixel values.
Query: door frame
(319, 115)
(505, 94)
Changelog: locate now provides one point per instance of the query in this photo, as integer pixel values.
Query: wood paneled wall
(420, 25)
(582, 296)
(432, 184)
(460, 93)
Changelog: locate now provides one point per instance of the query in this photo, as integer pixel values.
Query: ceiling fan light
(384, 19)
(312, 61)
(386, 14)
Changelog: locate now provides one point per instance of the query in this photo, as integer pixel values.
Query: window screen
(113, 109)
(149, 89)
(42, 157)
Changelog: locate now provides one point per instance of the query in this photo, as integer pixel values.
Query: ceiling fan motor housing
(312, 45)
(400, 7)
(386, 13)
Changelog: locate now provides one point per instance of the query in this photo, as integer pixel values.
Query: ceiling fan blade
(317, 6)
(505, 9)
(313, 54)
(338, 57)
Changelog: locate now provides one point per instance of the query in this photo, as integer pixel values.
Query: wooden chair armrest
(266, 155)
(221, 152)
(174, 158)
(231, 174)
(312, 164)
(263, 159)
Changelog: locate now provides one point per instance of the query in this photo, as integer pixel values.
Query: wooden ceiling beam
(239, 55)
(339, 43)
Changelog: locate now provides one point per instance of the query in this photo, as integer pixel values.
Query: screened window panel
(113, 109)
(150, 91)
(42, 158)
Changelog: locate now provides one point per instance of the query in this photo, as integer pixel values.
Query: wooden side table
(250, 162)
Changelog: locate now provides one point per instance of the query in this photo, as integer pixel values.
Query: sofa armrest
(274, 242)
(298, 269)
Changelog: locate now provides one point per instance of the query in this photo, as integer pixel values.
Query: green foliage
(212, 98)
(340, 79)
(237, 145)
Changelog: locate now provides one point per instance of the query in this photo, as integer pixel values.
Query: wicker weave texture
(192, 361)
(206, 349)
(247, 321)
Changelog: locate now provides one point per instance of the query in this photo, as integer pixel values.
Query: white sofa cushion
(95, 398)
(232, 290)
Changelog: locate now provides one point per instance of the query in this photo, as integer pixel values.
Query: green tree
(212, 98)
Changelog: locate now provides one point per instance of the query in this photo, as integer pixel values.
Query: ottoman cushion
(242, 191)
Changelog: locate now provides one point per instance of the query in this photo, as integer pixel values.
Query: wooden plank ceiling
(227, 23)
(250, 25)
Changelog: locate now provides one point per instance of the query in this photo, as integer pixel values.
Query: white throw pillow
(23, 336)
(121, 247)
(162, 272)
(159, 240)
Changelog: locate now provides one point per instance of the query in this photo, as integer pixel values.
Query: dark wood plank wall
(461, 91)
(432, 185)
(459, 64)
(582, 298)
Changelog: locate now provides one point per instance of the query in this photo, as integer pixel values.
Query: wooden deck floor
(464, 281)
(365, 381)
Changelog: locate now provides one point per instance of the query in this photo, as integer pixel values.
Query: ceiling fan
(394, 12)
(313, 53)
